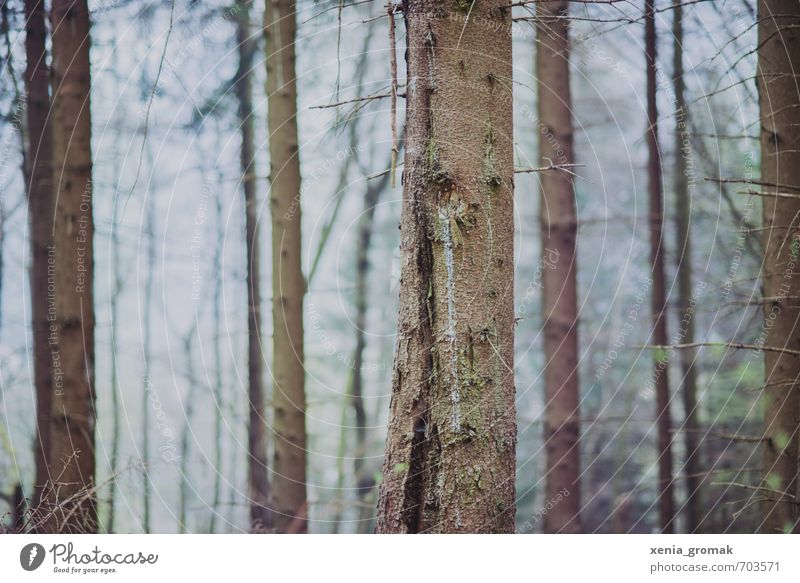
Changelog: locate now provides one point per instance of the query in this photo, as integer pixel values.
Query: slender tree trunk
(186, 445)
(258, 479)
(40, 213)
(778, 64)
(658, 297)
(147, 353)
(217, 383)
(288, 285)
(73, 407)
(364, 480)
(114, 380)
(449, 463)
(692, 464)
(559, 231)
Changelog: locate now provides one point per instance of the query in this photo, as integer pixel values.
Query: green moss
(773, 481)
(781, 440)
(463, 6)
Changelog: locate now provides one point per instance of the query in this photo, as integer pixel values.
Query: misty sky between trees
(167, 183)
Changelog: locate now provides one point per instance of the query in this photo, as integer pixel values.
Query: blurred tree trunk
(258, 479)
(147, 342)
(185, 444)
(116, 431)
(559, 231)
(40, 213)
(449, 463)
(289, 504)
(778, 63)
(364, 478)
(73, 413)
(683, 202)
(658, 294)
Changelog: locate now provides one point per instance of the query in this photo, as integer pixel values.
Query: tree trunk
(559, 231)
(449, 463)
(147, 355)
(778, 63)
(258, 479)
(692, 463)
(40, 214)
(658, 296)
(288, 284)
(186, 445)
(116, 433)
(73, 407)
(364, 479)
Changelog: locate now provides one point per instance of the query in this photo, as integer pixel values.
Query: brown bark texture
(559, 231)
(288, 285)
(449, 462)
(692, 466)
(666, 504)
(73, 406)
(40, 215)
(258, 480)
(778, 65)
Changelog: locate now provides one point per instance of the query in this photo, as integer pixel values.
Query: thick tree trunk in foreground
(559, 231)
(449, 463)
(658, 294)
(692, 465)
(258, 480)
(73, 410)
(40, 213)
(289, 504)
(778, 64)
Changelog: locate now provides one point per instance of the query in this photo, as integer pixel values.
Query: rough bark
(658, 294)
(778, 63)
(73, 406)
(683, 202)
(288, 285)
(258, 479)
(559, 232)
(449, 462)
(40, 214)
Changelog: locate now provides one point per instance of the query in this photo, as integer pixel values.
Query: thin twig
(733, 345)
(393, 56)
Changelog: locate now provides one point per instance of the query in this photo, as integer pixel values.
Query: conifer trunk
(73, 407)
(449, 463)
(40, 214)
(778, 65)
(692, 464)
(658, 291)
(288, 285)
(258, 480)
(559, 232)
